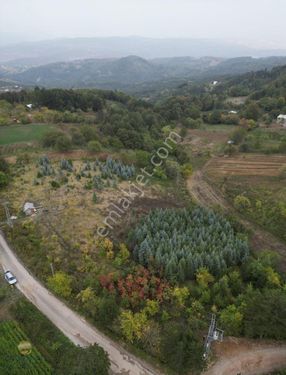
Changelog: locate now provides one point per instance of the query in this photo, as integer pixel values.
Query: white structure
(29, 106)
(29, 209)
(232, 112)
(281, 119)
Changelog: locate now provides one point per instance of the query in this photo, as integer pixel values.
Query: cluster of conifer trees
(179, 242)
(115, 167)
(45, 167)
(66, 165)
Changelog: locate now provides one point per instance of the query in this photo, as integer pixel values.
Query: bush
(55, 184)
(241, 202)
(4, 166)
(77, 138)
(238, 135)
(60, 283)
(142, 158)
(187, 170)
(50, 138)
(94, 146)
(4, 180)
(63, 143)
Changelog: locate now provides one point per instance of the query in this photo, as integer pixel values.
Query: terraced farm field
(11, 361)
(247, 165)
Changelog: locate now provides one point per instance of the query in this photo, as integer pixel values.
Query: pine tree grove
(179, 242)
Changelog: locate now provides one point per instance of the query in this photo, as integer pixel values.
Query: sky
(255, 23)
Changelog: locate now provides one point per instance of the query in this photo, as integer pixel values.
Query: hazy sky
(259, 23)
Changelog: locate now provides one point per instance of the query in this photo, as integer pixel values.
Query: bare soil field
(141, 207)
(246, 165)
(208, 139)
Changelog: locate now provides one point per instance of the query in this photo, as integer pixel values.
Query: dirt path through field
(240, 356)
(207, 195)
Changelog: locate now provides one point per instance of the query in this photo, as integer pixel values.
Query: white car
(10, 278)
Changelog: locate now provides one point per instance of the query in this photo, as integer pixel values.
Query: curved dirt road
(247, 357)
(207, 195)
(71, 324)
(256, 362)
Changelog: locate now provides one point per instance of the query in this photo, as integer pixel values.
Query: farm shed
(29, 208)
(281, 119)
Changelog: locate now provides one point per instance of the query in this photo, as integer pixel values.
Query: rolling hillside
(126, 72)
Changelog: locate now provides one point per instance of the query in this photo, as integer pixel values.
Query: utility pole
(52, 269)
(214, 334)
(8, 216)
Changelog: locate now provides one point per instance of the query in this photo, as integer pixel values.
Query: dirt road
(239, 356)
(207, 195)
(71, 324)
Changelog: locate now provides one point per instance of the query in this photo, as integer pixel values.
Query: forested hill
(123, 121)
(259, 84)
(128, 72)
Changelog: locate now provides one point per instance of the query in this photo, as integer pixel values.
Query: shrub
(4, 166)
(241, 202)
(66, 165)
(45, 167)
(94, 198)
(60, 283)
(4, 180)
(94, 146)
(50, 138)
(55, 184)
(63, 143)
(187, 170)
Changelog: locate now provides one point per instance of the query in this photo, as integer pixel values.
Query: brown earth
(247, 357)
(247, 165)
(206, 140)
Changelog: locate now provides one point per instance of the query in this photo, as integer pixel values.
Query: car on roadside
(10, 278)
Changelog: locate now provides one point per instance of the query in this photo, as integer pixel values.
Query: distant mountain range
(44, 52)
(129, 72)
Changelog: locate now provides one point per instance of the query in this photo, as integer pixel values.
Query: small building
(29, 209)
(29, 106)
(281, 119)
(233, 112)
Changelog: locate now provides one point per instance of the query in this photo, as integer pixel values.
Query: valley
(146, 217)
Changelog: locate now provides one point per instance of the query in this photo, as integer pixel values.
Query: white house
(281, 119)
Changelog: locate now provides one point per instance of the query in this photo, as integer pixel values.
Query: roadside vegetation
(30, 343)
